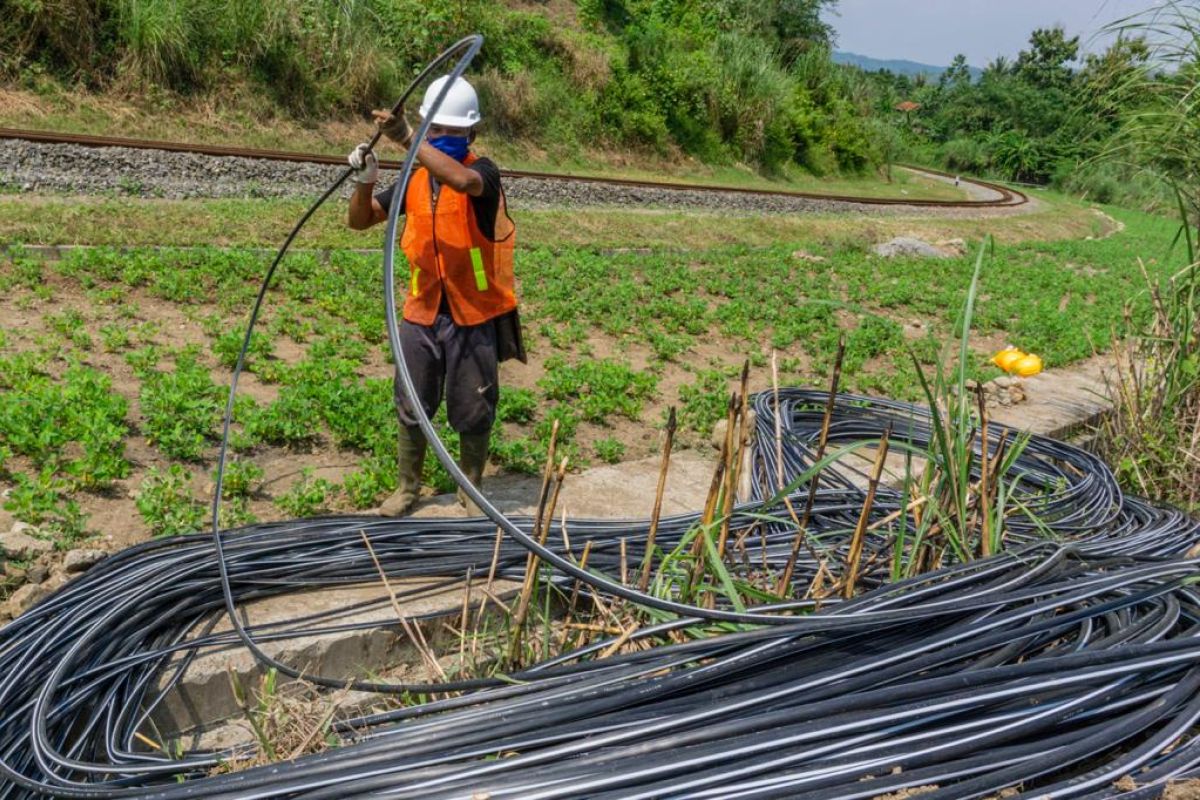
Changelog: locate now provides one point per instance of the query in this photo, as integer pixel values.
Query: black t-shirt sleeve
(488, 203)
(385, 198)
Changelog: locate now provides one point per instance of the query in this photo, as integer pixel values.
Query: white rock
(82, 560)
(907, 246)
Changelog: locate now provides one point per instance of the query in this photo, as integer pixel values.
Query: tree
(999, 66)
(1045, 63)
(957, 74)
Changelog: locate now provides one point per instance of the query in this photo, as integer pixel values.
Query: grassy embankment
(113, 362)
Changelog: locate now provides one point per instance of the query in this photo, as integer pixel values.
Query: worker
(460, 308)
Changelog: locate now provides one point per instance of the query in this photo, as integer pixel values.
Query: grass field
(113, 363)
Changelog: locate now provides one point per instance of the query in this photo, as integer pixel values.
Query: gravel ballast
(37, 167)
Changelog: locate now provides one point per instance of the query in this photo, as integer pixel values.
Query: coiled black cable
(1061, 665)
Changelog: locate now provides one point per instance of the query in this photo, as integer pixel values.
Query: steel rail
(1008, 197)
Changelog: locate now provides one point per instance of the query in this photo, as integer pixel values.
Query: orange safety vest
(448, 253)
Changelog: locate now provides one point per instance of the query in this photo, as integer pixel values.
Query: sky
(934, 31)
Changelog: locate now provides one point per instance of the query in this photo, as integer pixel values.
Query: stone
(804, 255)
(82, 560)
(37, 573)
(19, 545)
(25, 598)
(718, 434)
(957, 247)
(56, 581)
(908, 247)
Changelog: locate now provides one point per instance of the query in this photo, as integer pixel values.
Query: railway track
(1006, 197)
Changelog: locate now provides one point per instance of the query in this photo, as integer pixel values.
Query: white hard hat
(460, 109)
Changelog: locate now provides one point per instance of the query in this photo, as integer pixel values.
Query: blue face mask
(453, 146)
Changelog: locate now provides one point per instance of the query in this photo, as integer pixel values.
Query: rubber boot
(411, 461)
(473, 456)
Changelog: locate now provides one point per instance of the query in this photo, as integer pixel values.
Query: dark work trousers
(457, 361)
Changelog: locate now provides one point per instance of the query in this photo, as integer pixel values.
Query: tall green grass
(660, 76)
(1153, 435)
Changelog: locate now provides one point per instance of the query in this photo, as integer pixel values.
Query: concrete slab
(618, 491)
(205, 696)
(1061, 402)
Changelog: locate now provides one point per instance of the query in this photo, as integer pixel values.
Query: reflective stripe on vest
(416, 275)
(477, 265)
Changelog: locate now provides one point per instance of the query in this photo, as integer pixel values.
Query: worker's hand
(394, 126)
(364, 163)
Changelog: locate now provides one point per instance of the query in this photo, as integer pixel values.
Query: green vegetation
(728, 81)
(166, 503)
(651, 329)
(729, 84)
(1115, 126)
(264, 223)
(308, 496)
(181, 408)
(1153, 438)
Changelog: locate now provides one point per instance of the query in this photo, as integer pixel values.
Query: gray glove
(364, 163)
(394, 126)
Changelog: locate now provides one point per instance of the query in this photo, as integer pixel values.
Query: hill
(898, 66)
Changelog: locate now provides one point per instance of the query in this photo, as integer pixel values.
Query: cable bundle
(1068, 663)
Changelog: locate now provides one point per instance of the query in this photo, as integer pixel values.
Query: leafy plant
(239, 479)
(610, 450)
(229, 344)
(598, 388)
(114, 337)
(165, 502)
(307, 497)
(181, 408)
(39, 500)
(704, 401)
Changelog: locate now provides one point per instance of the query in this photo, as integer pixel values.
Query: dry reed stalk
(710, 507)
(146, 740)
(466, 614)
(413, 631)
(542, 526)
(913, 505)
(487, 591)
(648, 558)
(496, 601)
(566, 539)
(583, 559)
(718, 496)
(822, 442)
(737, 457)
(594, 628)
(860, 530)
(621, 640)
(318, 726)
